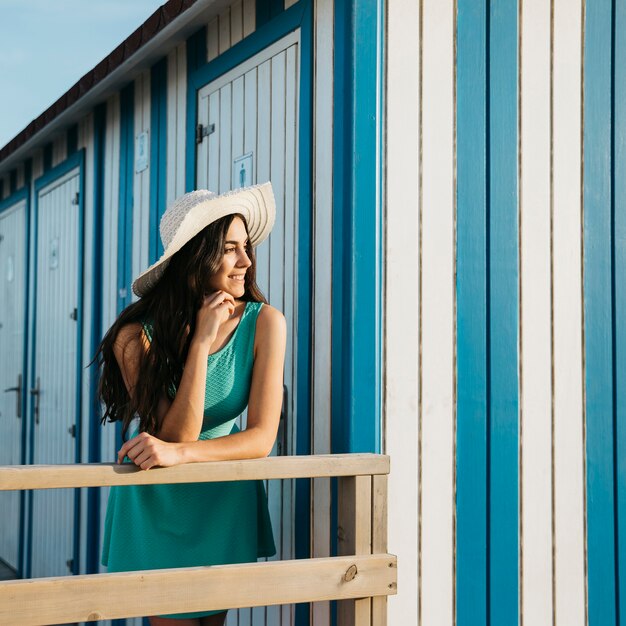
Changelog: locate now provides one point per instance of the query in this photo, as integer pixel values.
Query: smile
(238, 278)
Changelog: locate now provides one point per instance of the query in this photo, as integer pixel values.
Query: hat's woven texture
(191, 213)
(171, 219)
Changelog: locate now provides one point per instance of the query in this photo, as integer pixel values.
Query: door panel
(55, 371)
(253, 109)
(12, 324)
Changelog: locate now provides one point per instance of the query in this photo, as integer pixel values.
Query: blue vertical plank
(502, 203)
(357, 241)
(196, 58)
(302, 527)
(93, 497)
(471, 469)
(619, 193)
(598, 309)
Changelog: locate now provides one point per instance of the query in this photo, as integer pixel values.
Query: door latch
(204, 131)
(36, 391)
(18, 396)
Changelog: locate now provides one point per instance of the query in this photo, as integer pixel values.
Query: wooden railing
(361, 578)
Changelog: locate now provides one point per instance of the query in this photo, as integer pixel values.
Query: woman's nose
(244, 260)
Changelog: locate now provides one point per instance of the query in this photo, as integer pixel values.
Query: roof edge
(171, 18)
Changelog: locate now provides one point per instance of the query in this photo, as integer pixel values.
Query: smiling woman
(186, 359)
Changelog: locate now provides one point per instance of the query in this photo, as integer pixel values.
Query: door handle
(18, 396)
(36, 391)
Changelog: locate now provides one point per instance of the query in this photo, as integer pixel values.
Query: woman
(178, 366)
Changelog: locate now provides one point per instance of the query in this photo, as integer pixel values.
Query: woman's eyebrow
(236, 242)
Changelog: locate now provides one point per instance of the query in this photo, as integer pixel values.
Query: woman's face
(235, 262)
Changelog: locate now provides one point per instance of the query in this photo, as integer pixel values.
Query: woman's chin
(235, 292)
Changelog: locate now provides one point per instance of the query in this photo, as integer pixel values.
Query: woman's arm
(266, 393)
(181, 418)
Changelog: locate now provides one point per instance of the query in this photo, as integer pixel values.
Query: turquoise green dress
(187, 525)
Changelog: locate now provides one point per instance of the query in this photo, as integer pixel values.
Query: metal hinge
(70, 564)
(72, 430)
(74, 314)
(76, 198)
(204, 131)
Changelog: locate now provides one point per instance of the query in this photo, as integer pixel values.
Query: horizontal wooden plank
(13, 477)
(157, 592)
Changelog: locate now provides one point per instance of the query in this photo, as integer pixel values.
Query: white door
(250, 122)
(55, 366)
(12, 324)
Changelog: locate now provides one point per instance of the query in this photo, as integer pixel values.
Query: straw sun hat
(191, 213)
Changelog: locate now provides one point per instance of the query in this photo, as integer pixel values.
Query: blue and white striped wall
(504, 312)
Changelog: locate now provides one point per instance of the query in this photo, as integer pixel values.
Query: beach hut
(449, 254)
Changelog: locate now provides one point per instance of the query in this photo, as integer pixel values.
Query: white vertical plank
(536, 358)
(401, 416)
(225, 133)
(291, 117)
(141, 180)
(212, 34)
(250, 121)
(109, 265)
(237, 119)
(263, 101)
(145, 175)
(568, 357)
(204, 154)
(438, 285)
(181, 119)
(173, 116)
(276, 295)
(214, 143)
(59, 149)
(264, 142)
(224, 31)
(20, 176)
(322, 280)
(236, 22)
(251, 105)
(249, 17)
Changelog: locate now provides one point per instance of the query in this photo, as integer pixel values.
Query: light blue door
(54, 419)
(12, 324)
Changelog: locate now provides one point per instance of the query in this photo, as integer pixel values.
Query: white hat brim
(256, 204)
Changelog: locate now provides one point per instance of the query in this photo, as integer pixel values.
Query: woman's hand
(147, 451)
(216, 308)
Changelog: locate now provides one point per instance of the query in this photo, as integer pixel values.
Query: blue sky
(47, 45)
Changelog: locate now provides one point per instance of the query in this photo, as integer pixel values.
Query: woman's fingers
(147, 452)
(130, 448)
(142, 457)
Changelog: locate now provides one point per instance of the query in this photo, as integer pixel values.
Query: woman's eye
(229, 250)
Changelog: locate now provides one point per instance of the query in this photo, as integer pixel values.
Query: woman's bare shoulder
(270, 325)
(129, 341)
(269, 315)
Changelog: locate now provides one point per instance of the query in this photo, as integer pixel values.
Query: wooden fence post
(379, 540)
(354, 530)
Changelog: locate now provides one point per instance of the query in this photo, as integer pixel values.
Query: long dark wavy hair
(171, 307)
